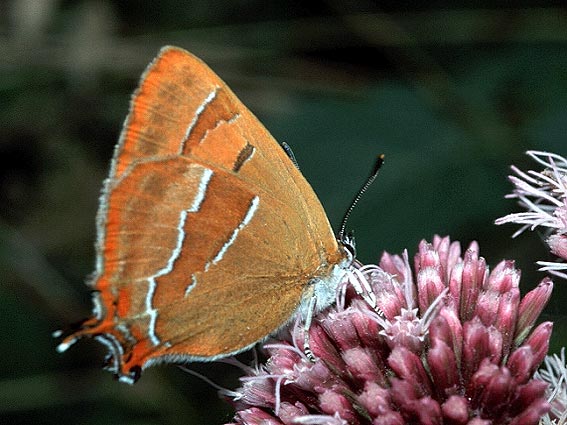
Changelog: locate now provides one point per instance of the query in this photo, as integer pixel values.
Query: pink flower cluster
(449, 343)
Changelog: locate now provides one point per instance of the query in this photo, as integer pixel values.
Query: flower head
(544, 195)
(446, 342)
(554, 373)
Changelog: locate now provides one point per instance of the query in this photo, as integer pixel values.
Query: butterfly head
(349, 247)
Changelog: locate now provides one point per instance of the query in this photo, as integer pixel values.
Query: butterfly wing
(208, 236)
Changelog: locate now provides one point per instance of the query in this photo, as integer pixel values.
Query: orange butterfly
(209, 238)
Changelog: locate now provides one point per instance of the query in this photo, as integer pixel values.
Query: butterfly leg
(363, 289)
(308, 320)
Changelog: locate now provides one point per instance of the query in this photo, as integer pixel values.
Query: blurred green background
(451, 92)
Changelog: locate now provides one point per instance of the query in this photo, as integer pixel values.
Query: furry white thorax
(324, 290)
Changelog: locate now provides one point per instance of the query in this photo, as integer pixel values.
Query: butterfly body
(209, 238)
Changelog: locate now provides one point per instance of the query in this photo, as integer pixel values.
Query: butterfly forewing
(208, 236)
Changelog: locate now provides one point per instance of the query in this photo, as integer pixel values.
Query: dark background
(451, 92)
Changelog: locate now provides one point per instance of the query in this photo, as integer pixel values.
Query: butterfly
(209, 239)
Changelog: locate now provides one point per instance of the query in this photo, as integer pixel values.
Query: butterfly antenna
(289, 152)
(377, 165)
